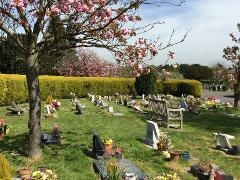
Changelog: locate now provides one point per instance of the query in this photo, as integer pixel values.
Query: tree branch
(4, 28)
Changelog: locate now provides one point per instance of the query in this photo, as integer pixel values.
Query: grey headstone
(183, 103)
(79, 108)
(152, 134)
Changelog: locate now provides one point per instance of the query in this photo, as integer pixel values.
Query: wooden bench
(162, 114)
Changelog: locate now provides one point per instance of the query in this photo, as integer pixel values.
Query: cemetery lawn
(72, 159)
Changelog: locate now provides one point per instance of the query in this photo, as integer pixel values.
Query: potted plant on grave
(114, 170)
(25, 173)
(163, 142)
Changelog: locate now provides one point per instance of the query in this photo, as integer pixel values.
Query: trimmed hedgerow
(14, 87)
(179, 87)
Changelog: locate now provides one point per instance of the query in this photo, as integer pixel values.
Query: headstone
(47, 110)
(110, 109)
(152, 134)
(56, 133)
(93, 98)
(79, 108)
(100, 98)
(98, 146)
(121, 100)
(143, 96)
(183, 103)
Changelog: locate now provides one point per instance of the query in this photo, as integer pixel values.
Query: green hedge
(179, 87)
(14, 87)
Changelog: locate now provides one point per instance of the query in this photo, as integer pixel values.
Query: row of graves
(110, 159)
(163, 108)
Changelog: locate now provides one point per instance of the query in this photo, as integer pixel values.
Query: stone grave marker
(152, 134)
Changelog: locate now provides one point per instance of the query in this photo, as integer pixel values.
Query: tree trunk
(237, 92)
(35, 106)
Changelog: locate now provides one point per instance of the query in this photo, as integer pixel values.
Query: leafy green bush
(5, 168)
(179, 87)
(145, 84)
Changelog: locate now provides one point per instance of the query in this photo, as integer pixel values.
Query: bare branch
(4, 28)
(169, 44)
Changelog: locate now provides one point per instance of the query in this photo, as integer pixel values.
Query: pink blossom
(141, 41)
(55, 10)
(70, 1)
(153, 50)
(109, 34)
(123, 18)
(125, 31)
(132, 18)
(140, 66)
(108, 12)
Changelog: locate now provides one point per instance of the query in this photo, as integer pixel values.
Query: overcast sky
(211, 22)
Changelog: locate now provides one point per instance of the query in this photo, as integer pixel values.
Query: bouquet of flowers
(45, 174)
(167, 176)
(163, 141)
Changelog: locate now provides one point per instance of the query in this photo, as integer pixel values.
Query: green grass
(72, 160)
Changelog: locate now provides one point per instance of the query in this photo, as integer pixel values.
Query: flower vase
(175, 155)
(25, 173)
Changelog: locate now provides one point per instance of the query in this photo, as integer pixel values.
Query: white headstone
(152, 134)
(93, 98)
(143, 96)
(110, 109)
(48, 109)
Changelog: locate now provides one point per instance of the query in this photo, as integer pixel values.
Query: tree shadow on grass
(217, 122)
(17, 144)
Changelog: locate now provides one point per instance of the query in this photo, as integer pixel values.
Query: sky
(210, 21)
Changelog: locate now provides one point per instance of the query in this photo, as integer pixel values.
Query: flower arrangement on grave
(2, 122)
(49, 99)
(56, 103)
(114, 170)
(44, 174)
(108, 143)
(163, 141)
(167, 176)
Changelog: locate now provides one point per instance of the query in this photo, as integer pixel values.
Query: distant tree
(11, 58)
(196, 71)
(86, 63)
(220, 72)
(233, 54)
(50, 57)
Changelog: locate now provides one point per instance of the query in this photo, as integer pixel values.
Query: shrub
(145, 84)
(5, 168)
(179, 87)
